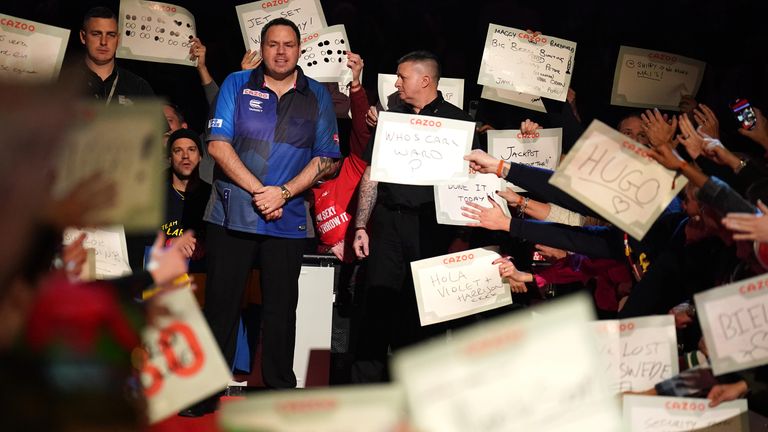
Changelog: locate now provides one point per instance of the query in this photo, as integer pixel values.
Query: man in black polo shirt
(403, 228)
(106, 80)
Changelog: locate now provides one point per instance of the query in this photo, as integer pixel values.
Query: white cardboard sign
(676, 414)
(155, 32)
(30, 51)
(449, 198)
(324, 55)
(110, 250)
(541, 150)
(510, 97)
(306, 14)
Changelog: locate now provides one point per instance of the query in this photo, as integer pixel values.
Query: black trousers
(391, 319)
(230, 257)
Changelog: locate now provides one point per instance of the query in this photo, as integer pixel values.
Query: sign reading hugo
(734, 320)
(637, 353)
(540, 149)
(516, 60)
(654, 79)
(306, 14)
(614, 176)
(663, 413)
(156, 32)
(30, 51)
(420, 150)
(182, 363)
(450, 197)
(457, 285)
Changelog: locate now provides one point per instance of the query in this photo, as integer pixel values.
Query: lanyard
(112, 91)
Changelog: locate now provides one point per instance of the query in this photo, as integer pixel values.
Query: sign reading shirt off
(324, 55)
(30, 51)
(541, 149)
(450, 197)
(613, 175)
(516, 60)
(370, 408)
(734, 321)
(183, 364)
(457, 285)
(420, 150)
(306, 14)
(515, 372)
(654, 79)
(124, 145)
(637, 353)
(155, 32)
(673, 414)
(451, 88)
(514, 98)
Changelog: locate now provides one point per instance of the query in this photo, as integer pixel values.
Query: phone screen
(744, 113)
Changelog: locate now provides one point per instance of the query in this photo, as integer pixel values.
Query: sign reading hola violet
(637, 353)
(734, 320)
(182, 362)
(155, 32)
(30, 51)
(457, 285)
(663, 413)
(420, 150)
(614, 176)
(653, 79)
(516, 60)
(306, 14)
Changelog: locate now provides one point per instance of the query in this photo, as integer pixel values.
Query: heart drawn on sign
(620, 205)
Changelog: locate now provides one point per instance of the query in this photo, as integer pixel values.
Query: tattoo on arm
(325, 166)
(367, 198)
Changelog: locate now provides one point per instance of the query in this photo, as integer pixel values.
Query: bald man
(403, 228)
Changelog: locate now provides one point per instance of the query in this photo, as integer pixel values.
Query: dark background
(731, 37)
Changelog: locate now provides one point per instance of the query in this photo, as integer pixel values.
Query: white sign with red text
(420, 150)
(537, 65)
(324, 55)
(614, 176)
(306, 14)
(734, 321)
(541, 149)
(451, 88)
(637, 353)
(457, 285)
(654, 79)
(183, 363)
(155, 32)
(515, 372)
(677, 414)
(369, 408)
(30, 51)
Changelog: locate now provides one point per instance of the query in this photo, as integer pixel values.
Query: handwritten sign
(306, 14)
(182, 362)
(124, 144)
(155, 32)
(370, 408)
(612, 175)
(514, 373)
(510, 97)
(451, 88)
(673, 414)
(30, 51)
(458, 285)
(110, 250)
(324, 55)
(637, 353)
(541, 149)
(536, 65)
(734, 320)
(449, 198)
(654, 79)
(420, 150)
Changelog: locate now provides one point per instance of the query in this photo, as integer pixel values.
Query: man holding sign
(272, 135)
(403, 229)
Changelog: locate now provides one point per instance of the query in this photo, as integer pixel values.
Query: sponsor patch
(214, 123)
(256, 93)
(255, 105)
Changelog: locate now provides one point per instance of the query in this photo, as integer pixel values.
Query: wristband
(500, 168)
(361, 229)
